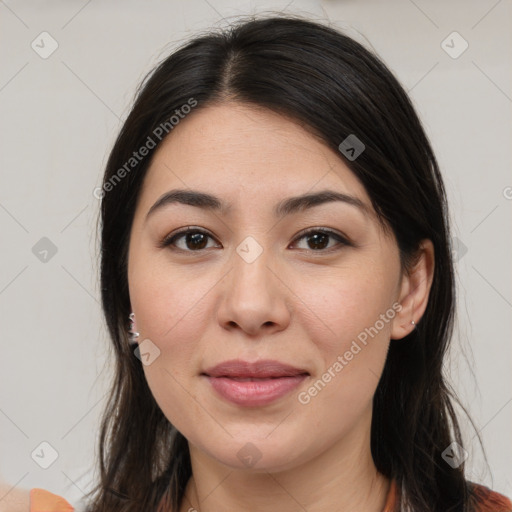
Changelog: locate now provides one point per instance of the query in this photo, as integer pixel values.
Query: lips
(265, 369)
(254, 384)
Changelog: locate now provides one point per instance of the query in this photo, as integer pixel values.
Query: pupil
(195, 240)
(323, 237)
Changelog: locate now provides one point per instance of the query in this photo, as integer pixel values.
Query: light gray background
(59, 117)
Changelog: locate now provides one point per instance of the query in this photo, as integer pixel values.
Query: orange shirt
(45, 501)
(490, 501)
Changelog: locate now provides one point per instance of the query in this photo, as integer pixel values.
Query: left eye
(318, 239)
(196, 240)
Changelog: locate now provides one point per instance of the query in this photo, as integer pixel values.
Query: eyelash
(169, 240)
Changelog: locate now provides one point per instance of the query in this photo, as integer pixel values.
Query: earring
(133, 334)
(413, 322)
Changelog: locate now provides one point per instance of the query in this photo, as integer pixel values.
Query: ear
(414, 291)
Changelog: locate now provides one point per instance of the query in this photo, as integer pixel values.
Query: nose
(254, 297)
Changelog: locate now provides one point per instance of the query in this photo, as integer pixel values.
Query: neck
(343, 477)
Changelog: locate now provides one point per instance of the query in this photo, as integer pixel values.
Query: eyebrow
(285, 207)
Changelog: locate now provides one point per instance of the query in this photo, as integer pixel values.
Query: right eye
(194, 240)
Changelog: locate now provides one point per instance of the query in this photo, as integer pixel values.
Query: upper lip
(267, 368)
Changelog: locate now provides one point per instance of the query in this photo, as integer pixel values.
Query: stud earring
(132, 330)
(413, 322)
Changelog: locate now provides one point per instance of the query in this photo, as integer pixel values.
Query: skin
(13, 499)
(294, 303)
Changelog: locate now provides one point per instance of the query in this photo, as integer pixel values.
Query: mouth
(254, 384)
(265, 369)
(250, 379)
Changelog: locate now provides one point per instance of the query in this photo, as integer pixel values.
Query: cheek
(351, 340)
(168, 299)
(346, 308)
(172, 310)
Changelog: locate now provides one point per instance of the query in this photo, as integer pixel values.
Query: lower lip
(257, 392)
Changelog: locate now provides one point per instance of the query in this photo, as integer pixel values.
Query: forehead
(239, 151)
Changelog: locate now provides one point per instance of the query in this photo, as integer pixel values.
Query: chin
(257, 454)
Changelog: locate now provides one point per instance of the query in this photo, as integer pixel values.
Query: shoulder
(487, 500)
(42, 500)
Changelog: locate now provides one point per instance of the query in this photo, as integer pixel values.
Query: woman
(278, 286)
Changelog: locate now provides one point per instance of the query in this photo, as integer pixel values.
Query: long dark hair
(333, 86)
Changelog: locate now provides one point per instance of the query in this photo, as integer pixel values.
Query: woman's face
(248, 284)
